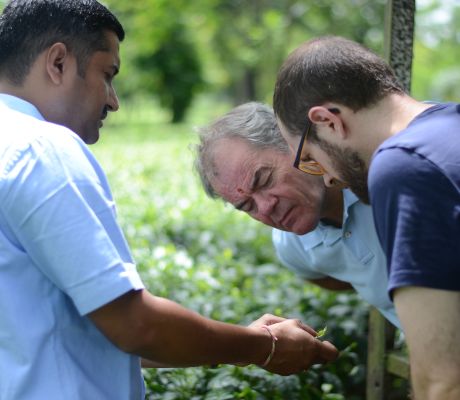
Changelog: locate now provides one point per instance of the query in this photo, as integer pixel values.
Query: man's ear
(57, 59)
(329, 119)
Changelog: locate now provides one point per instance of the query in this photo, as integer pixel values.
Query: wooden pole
(399, 38)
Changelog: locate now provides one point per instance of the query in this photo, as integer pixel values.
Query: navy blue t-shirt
(414, 186)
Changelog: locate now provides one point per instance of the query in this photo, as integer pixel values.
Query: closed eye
(268, 182)
(248, 207)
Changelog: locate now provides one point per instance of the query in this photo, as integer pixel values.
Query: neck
(333, 207)
(376, 124)
(18, 91)
(8, 88)
(396, 113)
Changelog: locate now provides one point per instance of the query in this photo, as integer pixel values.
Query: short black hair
(28, 27)
(330, 69)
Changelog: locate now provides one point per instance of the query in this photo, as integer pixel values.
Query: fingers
(327, 352)
(269, 319)
(306, 328)
(266, 319)
(297, 349)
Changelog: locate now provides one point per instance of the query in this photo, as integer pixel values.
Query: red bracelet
(272, 351)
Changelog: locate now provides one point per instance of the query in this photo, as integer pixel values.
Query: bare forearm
(174, 336)
(168, 334)
(431, 322)
(180, 337)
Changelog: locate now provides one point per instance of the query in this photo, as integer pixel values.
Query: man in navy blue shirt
(343, 112)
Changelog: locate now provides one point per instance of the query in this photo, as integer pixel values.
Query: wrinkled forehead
(234, 162)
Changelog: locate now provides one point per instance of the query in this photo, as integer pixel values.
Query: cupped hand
(297, 349)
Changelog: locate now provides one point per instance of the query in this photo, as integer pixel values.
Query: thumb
(327, 351)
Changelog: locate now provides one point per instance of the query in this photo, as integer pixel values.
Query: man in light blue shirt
(75, 318)
(325, 235)
(39, 261)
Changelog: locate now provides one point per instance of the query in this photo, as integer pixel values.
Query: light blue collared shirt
(351, 254)
(62, 255)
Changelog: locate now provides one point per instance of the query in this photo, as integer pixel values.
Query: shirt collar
(20, 105)
(349, 198)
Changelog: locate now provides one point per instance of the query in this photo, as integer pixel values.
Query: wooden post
(375, 385)
(399, 38)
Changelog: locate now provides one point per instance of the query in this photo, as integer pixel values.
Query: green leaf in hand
(321, 332)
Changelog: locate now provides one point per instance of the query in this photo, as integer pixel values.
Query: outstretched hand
(296, 347)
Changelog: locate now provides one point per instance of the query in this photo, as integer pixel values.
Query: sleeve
(292, 254)
(64, 220)
(417, 216)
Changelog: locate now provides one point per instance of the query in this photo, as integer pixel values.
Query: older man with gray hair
(325, 235)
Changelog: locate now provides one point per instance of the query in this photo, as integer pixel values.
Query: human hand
(297, 349)
(266, 319)
(269, 319)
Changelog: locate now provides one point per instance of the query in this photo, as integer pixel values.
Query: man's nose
(265, 203)
(113, 104)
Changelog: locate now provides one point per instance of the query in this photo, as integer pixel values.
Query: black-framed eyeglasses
(309, 166)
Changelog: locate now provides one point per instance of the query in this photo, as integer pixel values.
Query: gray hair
(253, 122)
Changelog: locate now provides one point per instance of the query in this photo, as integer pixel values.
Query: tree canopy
(233, 48)
(175, 49)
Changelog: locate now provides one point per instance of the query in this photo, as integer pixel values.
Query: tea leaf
(321, 332)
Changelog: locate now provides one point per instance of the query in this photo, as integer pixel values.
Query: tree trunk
(399, 38)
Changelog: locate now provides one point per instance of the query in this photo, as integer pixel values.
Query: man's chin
(303, 229)
(93, 138)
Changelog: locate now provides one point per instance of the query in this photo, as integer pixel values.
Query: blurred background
(177, 51)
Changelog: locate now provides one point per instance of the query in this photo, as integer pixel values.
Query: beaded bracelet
(272, 351)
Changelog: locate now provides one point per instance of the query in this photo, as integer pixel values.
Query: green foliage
(239, 44)
(176, 72)
(175, 49)
(220, 263)
(158, 47)
(261, 33)
(436, 73)
(233, 48)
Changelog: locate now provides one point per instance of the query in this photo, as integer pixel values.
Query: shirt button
(347, 234)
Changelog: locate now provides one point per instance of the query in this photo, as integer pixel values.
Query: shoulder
(21, 131)
(39, 151)
(429, 144)
(297, 252)
(397, 170)
(285, 242)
